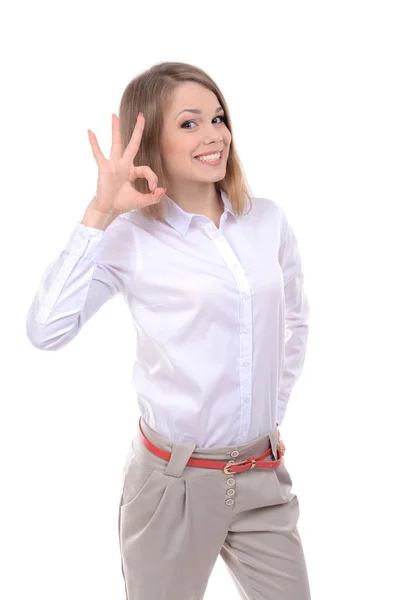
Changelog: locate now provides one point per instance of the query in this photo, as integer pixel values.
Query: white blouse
(220, 314)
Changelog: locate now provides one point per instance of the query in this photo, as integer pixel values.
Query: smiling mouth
(216, 161)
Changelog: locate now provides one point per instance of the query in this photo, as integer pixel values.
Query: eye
(223, 117)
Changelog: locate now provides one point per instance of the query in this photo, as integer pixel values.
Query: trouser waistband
(181, 452)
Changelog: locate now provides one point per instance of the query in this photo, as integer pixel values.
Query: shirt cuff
(85, 241)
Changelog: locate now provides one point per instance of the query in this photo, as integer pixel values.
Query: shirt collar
(180, 219)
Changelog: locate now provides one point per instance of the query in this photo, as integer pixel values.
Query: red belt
(255, 462)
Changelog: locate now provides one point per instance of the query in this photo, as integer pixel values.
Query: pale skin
(281, 445)
(193, 124)
(116, 193)
(190, 182)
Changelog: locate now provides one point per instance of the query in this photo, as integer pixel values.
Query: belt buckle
(241, 462)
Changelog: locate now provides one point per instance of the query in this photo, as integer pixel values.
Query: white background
(313, 89)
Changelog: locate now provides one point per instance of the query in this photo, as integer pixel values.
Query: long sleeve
(297, 313)
(91, 269)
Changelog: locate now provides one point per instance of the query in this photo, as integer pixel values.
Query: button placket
(231, 482)
(246, 318)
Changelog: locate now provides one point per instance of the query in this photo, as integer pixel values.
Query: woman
(212, 277)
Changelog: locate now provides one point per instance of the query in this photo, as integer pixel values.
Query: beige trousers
(174, 520)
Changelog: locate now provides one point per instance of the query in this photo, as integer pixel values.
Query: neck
(201, 201)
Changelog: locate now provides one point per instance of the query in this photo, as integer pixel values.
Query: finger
(134, 143)
(148, 198)
(147, 173)
(97, 153)
(116, 145)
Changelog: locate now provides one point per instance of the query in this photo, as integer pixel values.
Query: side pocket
(285, 481)
(137, 477)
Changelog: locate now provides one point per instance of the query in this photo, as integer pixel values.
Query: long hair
(149, 93)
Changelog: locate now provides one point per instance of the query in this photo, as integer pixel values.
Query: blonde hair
(149, 93)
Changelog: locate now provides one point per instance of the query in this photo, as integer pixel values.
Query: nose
(212, 135)
(213, 140)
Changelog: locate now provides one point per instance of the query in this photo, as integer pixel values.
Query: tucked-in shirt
(220, 314)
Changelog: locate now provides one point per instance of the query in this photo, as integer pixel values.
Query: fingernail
(154, 186)
(141, 114)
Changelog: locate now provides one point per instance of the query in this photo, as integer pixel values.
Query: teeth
(210, 157)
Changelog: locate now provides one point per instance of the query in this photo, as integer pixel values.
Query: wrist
(97, 219)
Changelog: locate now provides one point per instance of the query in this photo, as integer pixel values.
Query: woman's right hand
(281, 445)
(115, 193)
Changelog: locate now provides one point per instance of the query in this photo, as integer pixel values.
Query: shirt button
(230, 492)
(235, 453)
(246, 330)
(230, 481)
(246, 363)
(229, 502)
(246, 398)
(245, 296)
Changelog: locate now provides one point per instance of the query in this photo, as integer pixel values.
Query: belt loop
(180, 454)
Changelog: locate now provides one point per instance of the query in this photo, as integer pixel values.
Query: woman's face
(185, 135)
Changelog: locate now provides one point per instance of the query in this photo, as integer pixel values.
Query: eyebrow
(197, 111)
